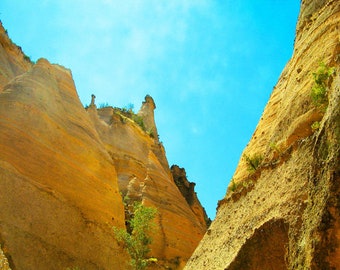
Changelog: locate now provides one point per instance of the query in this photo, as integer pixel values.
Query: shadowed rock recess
(282, 208)
(64, 170)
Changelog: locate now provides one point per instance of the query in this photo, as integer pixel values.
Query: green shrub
(27, 58)
(138, 120)
(315, 126)
(103, 105)
(320, 86)
(233, 185)
(253, 162)
(274, 146)
(137, 242)
(151, 133)
(128, 112)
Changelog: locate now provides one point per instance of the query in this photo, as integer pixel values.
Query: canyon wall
(282, 208)
(58, 190)
(64, 171)
(144, 175)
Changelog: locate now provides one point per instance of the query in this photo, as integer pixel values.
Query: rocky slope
(282, 208)
(63, 169)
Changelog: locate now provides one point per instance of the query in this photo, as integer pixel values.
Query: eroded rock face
(144, 175)
(285, 214)
(58, 186)
(63, 170)
(188, 191)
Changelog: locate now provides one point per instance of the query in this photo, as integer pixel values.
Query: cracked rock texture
(285, 214)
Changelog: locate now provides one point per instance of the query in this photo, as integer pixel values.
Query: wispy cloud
(210, 66)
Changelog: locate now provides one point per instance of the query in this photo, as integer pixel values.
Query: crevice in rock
(266, 249)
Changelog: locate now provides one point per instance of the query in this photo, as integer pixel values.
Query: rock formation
(282, 208)
(64, 169)
(188, 192)
(144, 175)
(58, 190)
(147, 113)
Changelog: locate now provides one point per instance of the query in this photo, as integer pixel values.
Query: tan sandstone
(58, 188)
(144, 175)
(64, 170)
(286, 214)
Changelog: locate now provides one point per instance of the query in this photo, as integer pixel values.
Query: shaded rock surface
(285, 214)
(188, 191)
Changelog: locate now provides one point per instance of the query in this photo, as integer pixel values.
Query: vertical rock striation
(63, 170)
(144, 175)
(282, 211)
(58, 187)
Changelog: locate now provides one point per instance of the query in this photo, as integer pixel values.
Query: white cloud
(196, 58)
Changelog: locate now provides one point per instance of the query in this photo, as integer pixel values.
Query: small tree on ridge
(137, 242)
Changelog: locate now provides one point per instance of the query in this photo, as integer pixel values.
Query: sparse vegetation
(273, 146)
(253, 162)
(320, 87)
(129, 113)
(247, 183)
(27, 58)
(151, 133)
(138, 240)
(315, 126)
(233, 185)
(138, 120)
(103, 105)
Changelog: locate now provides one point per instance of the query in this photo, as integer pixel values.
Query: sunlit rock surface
(65, 169)
(285, 214)
(144, 175)
(59, 194)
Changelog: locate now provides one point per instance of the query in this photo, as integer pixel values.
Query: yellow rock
(286, 214)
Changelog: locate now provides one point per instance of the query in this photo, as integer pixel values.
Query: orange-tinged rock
(62, 170)
(144, 175)
(58, 187)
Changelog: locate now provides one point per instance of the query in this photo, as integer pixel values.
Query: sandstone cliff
(64, 169)
(282, 208)
(58, 190)
(144, 175)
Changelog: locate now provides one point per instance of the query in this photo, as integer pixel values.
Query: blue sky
(209, 65)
